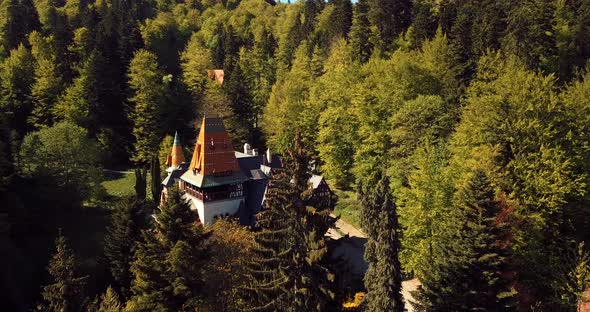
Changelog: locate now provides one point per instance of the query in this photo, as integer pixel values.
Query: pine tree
(267, 288)
(360, 45)
(120, 241)
(79, 102)
(17, 19)
(168, 263)
(471, 276)
(390, 18)
(290, 247)
(424, 21)
(109, 302)
(239, 95)
(529, 34)
(140, 183)
(47, 84)
(16, 77)
(150, 287)
(67, 291)
(156, 180)
(145, 78)
(383, 278)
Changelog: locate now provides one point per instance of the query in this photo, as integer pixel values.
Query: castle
(221, 182)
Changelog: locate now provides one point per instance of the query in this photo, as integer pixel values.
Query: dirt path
(353, 249)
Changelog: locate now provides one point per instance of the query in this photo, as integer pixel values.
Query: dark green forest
(462, 125)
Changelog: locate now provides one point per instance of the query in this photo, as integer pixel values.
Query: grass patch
(122, 183)
(119, 184)
(348, 207)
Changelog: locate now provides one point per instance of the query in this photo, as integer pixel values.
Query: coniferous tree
(390, 18)
(156, 180)
(169, 261)
(47, 84)
(290, 246)
(16, 76)
(360, 45)
(109, 302)
(383, 279)
(529, 34)
(79, 102)
(150, 288)
(66, 294)
(424, 21)
(120, 241)
(472, 275)
(267, 287)
(140, 183)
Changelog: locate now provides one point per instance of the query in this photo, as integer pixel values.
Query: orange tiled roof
(213, 154)
(176, 156)
(216, 74)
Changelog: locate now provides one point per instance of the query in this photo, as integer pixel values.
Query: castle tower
(176, 156)
(213, 182)
(176, 167)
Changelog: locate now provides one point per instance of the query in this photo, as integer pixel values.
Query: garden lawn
(348, 207)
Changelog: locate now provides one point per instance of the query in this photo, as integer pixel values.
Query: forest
(462, 127)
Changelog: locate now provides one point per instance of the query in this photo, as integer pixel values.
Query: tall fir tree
(140, 183)
(16, 77)
(360, 45)
(473, 274)
(290, 247)
(267, 287)
(110, 302)
(79, 102)
(66, 294)
(47, 83)
(122, 236)
(156, 178)
(383, 279)
(168, 263)
(390, 18)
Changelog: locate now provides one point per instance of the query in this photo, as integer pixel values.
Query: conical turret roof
(176, 156)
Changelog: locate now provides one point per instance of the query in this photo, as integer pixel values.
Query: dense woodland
(463, 126)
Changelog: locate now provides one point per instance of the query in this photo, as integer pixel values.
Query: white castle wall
(219, 208)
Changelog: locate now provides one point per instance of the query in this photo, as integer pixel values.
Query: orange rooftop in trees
(214, 161)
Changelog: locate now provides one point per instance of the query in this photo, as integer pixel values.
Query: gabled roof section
(214, 161)
(316, 180)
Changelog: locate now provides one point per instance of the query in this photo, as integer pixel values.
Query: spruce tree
(472, 275)
(47, 84)
(267, 289)
(79, 102)
(16, 77)
(383, 279)
(66, 294)
(140, 183)
(390, 18)
(156, 182)
(120, 241)
(150, 288)
(360, 45)
(290, 246)
(168, 263)
(109, 302)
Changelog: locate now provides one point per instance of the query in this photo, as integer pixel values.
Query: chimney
(268, 156)
(255, 152)
(247, 149)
